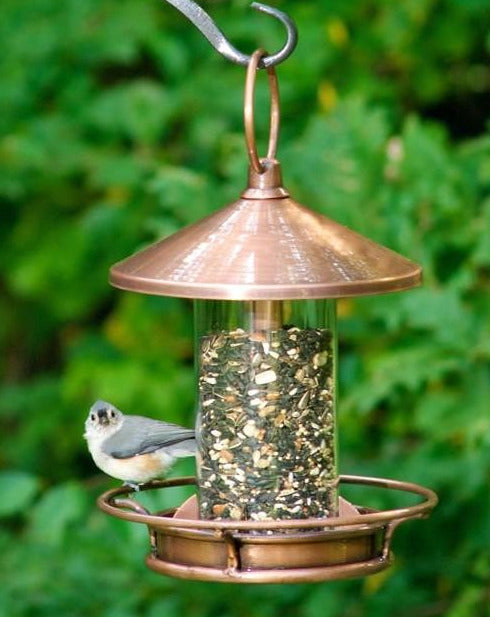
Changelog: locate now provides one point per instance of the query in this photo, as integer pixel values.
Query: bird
(134, 449)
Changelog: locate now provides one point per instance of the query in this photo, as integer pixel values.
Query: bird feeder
(265, 273)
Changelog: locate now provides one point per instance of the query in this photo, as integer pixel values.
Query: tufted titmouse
(133, 448)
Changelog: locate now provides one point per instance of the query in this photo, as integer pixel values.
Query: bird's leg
(134, 486)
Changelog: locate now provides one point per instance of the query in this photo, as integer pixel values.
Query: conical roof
(265, 246)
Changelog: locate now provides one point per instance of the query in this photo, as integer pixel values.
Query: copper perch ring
(279, 551)
(112, 503)
(249, 107)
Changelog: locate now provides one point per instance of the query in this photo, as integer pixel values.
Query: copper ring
(111, 503)
(232, 551)
(248, 110)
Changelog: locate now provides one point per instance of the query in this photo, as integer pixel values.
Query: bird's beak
(103, 417)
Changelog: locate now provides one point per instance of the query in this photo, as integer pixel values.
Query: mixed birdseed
(267, 426)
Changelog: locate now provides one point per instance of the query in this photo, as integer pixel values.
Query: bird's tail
(183, 448)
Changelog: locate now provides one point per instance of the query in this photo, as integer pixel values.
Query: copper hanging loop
(210, 30)
(249, 107)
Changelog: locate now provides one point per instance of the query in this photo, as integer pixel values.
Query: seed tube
(266, 427)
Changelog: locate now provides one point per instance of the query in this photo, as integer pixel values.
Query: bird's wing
(139, 435)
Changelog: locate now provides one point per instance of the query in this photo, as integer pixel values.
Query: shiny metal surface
(249, 112)
(210, 30)
(111, 503)
(296, 575)
(356, 543)
(265, 246)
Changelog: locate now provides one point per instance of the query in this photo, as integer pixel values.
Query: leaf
(59, 509)
(140, 110)
(17, 491)
(440, 312)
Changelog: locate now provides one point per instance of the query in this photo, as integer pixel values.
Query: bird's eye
(92, 417)
(112, 413)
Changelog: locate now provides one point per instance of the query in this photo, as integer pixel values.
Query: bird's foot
(134, 486)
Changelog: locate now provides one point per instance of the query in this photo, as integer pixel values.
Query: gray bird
(134, 449)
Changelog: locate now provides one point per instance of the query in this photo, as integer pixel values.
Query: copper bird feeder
(265, 272)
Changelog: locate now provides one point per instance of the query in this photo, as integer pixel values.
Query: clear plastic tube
(266, 429)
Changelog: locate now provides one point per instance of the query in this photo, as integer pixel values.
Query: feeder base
(354, 544)
(299, 575)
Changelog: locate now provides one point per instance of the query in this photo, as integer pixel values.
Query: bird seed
(267, 425)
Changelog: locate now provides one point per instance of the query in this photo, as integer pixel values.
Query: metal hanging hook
(210, 30)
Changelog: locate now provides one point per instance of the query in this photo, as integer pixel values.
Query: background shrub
(119, 125)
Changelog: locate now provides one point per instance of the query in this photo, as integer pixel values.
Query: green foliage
(120, 125)
(17, 490)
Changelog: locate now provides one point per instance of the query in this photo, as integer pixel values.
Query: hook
(210, 30)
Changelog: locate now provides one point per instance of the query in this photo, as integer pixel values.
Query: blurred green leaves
(61, 507)
(17, 491)
(136, 112)
(120, 125)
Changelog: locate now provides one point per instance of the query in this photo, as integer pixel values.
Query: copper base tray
(356, 543)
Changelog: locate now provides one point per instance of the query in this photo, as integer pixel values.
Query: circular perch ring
(284, 551)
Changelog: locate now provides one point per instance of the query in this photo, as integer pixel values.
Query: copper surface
(266, 184)
(265, 249)
(286, 551)
(265, 246)
(249, 107)
(356, 543)
(110, 503)
(298, 575)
